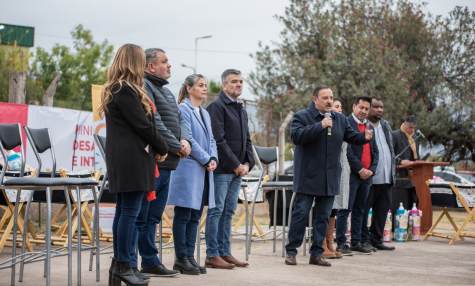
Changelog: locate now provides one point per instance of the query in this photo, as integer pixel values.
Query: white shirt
(383, 169)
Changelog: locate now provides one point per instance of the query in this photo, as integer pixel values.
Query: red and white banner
(71, 133)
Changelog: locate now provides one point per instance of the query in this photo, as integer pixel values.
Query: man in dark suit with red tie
(363, 160)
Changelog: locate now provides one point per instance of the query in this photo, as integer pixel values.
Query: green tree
(214, 88)
(79, 67)
(417, 63)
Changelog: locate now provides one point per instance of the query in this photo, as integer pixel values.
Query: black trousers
(358, 201)
(300, 212)
(380, 200)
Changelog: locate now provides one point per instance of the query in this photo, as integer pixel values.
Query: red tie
(366, 154)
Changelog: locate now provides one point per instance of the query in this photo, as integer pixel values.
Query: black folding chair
(10, 137)
(267, 156)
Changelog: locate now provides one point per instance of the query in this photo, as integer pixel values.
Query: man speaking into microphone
(318, 134)
(406, 148)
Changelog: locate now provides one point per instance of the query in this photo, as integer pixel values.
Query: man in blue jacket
(318, 134)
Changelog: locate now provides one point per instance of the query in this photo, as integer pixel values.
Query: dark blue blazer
(317, 167)
(231, 132)
(354, 152)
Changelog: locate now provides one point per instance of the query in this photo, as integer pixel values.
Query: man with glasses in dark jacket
(167, 122)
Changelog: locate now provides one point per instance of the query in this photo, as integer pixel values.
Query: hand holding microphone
(368, 133)
(327, 122)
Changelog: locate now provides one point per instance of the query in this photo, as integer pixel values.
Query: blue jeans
(185, 228)
(359, 190)
(123, 228)
(218, 221)
(300, 212)
(150, 215)
(341, 226)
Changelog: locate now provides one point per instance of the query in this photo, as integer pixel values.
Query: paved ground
(432, 262)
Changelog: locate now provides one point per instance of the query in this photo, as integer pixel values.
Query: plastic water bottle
(387, 235)
(14, 160)
(370, 217)
(416, 223)
(409, 226)
(400, 231)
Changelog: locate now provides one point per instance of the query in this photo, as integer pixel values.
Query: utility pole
(17, 87)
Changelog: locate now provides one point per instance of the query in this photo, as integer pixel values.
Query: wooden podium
(421, 172)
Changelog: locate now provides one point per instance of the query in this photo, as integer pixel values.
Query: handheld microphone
(419, 133)
(329, 129)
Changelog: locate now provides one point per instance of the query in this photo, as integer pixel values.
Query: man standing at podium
(406, 149)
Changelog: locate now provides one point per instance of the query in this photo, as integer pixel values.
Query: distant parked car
(452, 177)
(469, 175)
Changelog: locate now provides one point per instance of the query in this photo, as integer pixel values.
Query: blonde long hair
(126, 68)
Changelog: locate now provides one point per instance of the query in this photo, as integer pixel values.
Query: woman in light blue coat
(192, 184)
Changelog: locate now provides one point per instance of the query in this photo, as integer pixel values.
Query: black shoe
(126, 274)
(159, 271)
(361, 248)
(140, 275)
(369, 246)
(183, 265)
(195, 264)
(382, 246)
(344, 250)
(112, 270)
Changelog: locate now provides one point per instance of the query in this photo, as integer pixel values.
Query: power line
(164, 47)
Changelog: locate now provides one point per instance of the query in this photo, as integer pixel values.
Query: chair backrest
(41, 142)
(10, 137)
(101, 144)
(267, 156)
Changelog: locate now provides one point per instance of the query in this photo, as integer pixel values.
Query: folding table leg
(97, 245)
(70, 238)
(48, 237)
(24, 235)
(274, 236)
(79, 247)
(16, 213)
(284, 208)
(468, 218)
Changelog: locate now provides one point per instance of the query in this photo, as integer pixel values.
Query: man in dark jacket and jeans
(167, 121)
(230, 129)
(318, 134)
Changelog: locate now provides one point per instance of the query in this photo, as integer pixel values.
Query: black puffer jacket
(167, 119)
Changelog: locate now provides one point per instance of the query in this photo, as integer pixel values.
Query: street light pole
(196, 49)
(189, 67)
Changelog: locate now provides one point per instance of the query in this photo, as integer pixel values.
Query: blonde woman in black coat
(133, 146)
